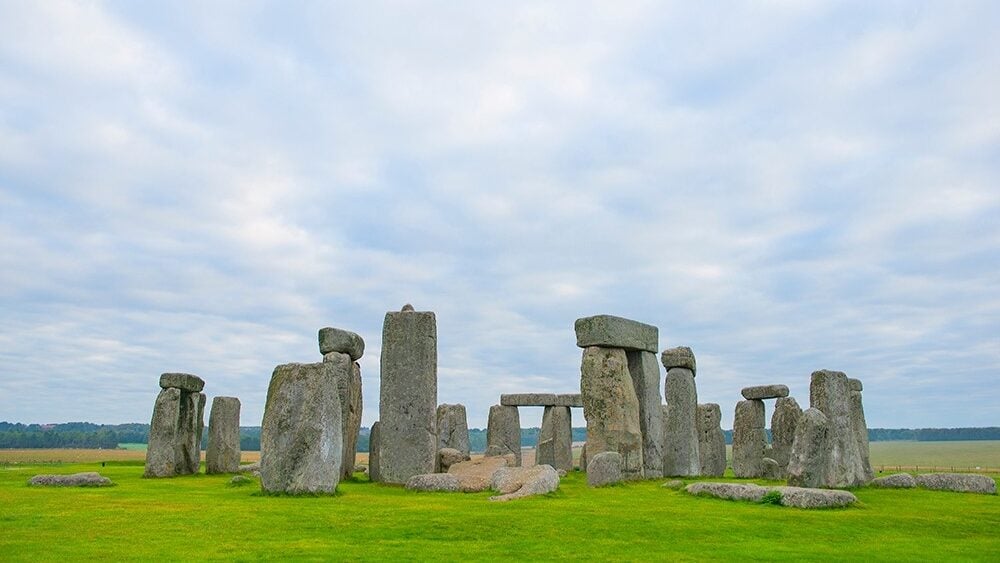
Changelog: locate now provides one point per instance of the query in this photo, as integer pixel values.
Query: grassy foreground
(201, 517)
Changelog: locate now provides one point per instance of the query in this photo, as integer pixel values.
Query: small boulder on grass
(240, 480)
(87, 479)
(604, 469)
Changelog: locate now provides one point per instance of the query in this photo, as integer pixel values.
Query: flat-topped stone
(528, 399)
(86, 479)
(958, 482)
(797, 497)
(182, 381)
(758, 392)
(608, 331)
(343, 341)
(679, 357)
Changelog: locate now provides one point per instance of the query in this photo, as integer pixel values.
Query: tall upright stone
(749, 439)
(161, 458)
(301, 436)
(807, 464)
(555, 439)
(783, 423)
(645, 372)
(711, 440)
(503, 432)
(611, 408)
(860, 427)
(373, 439)
(408, 401)
(223, 454)
(681, 456)
(453, 428)
(190, 428)
(347, 375)
(829, 391)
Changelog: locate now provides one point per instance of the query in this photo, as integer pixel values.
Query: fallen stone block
(86, 479)
(814, 498)
(957, 482)
(477, 475)
(519, 482)
(728, 491)
(895, 481)
(604, 469)
(444, 482)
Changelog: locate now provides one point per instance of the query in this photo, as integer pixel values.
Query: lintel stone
(528, 399)
(182, 381)
(608, 331)
(765, 392)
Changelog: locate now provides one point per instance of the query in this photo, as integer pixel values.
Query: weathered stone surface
(728, 491)
(528, 399)
(342, 341)
(769, 469)
(611, 408)
(604, 468)
(681, 456)
(859, 427)
(301, 437)
(855, 384)
(895, 481)
(807, 463)
(445, 482)
(645, 372)
(340, 367)
(453, 428)
(569, 400)
(448, 457)
(86, 479)
(711, 440)
(408, 401)
(355, 410)
(190, 426)
(783, 422)
(373, 452)
(161, 459)
(477, 475)
(503, 432)
(958, 482)
(765, 392)
(829, 392)
(555, 439)
(814, 498)
(583, 457)
(749, 439)
(519, 482)
(407, 308)
(253, 468)
(679, 357)
(182, 381)
(223, 453)
(608, 331)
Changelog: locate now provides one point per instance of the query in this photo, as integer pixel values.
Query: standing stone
(342, 341)
(503, 432)
(681, 457)
(583, 457)
(408, 402)
(342, 369)
(611, 408)
(353, 417)
(555, 439)
(829, 392)
(783, 422)
(860, 427)
(160, 456)
(223, 454)
(711, 440)
(749, 439)
(808, 460)
(453, 428)
(301, 436)
(645, 372)
(373, 439)
(190, 425)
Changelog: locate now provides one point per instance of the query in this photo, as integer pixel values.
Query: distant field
(87, 456)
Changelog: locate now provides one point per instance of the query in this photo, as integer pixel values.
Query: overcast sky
(782, 186)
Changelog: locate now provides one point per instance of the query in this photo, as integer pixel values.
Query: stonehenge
(555, 437)
(342, 349)
(175, 430)
(711, 440)
(408, 395)
(752, 455)
(223, 452)
(681, 457)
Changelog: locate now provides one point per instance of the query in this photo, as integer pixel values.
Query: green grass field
(202, 517)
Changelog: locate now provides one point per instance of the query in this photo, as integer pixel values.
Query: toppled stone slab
(895, 481)
(477, 475)
(445, 482)
(528, 399)
(86, 479)
(182, 381)
(679, 357)
(765, 392)
(569, 400)
(790, 496)
(519, 482)
(604, 469)
(957, 482)
(814, 498)
(608, 331)
(342, 341)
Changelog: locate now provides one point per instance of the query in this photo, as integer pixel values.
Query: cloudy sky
(782, 186)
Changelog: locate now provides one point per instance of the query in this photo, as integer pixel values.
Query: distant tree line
(109, 436)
